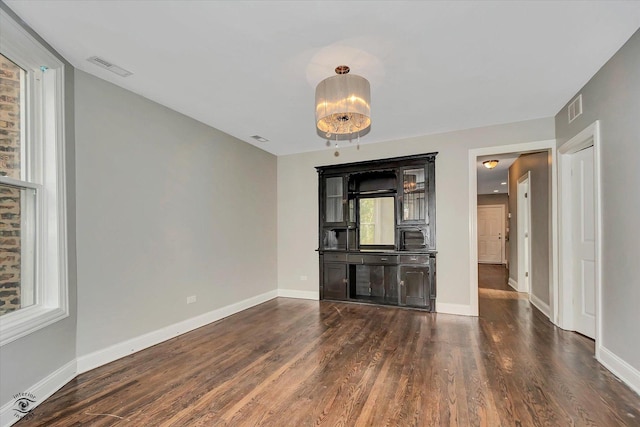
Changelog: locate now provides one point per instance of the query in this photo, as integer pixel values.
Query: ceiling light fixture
(490, 164)
(343, 107)
(410, 183)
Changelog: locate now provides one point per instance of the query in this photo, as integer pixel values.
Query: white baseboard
(39, 392)
(293, 293)
(540, 305)
(513, 284)
(133, 345)
(627, 373)
(459, 309)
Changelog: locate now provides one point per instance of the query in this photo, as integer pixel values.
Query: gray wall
(613, 97)
(298, 202)
(167, 208)
(33, 357)
(539, 189)
(493, 199)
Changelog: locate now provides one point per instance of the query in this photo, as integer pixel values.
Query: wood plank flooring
(294, 362)
(493, 276)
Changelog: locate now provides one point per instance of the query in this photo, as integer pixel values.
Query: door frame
(522, 260)
(590, 136)
(549, 145)
(503, 255)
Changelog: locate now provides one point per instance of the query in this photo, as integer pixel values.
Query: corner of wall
(456, 309)
(39, 392)
(106, 355)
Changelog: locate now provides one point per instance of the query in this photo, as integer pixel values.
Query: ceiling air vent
(575, 108)
(109, 66)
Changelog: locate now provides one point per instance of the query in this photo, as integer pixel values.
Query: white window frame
(46, 173)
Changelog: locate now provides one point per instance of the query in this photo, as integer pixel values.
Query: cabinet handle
(414, 258)
(384, 259)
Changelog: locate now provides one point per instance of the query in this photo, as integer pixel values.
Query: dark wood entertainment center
(377, 231)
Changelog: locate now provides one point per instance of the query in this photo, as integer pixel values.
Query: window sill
(28, 320)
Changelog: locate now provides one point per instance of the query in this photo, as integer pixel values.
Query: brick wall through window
(10, 220)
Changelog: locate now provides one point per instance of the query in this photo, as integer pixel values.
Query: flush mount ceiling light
(410, 183)
(343, 106)
(490, 164)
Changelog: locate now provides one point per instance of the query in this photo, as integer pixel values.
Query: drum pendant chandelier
(343, 106)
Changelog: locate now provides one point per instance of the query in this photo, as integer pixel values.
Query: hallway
(492, 284)
(545, 360)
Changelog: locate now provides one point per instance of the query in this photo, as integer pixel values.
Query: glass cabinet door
(334, 196)
(414, 203)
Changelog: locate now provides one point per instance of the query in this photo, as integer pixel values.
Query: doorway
(583, 242)
(580, 235)
(524, 233)
(491, 232)
(547, 250)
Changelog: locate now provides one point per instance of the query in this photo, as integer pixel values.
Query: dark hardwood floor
(294, 362)
(494, 276)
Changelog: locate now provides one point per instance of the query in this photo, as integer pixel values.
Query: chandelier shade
(343, 106)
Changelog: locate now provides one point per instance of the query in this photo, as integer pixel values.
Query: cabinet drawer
(414, 259)
(335, 257)
(373, 259)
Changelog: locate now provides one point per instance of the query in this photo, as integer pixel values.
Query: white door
(490, 234)
(524, 233)
(583, 241)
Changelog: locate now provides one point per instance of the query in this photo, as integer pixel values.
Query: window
(33, 255)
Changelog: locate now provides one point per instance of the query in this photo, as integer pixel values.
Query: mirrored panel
(377, 221)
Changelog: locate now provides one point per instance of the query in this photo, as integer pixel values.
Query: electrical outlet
(191, 299)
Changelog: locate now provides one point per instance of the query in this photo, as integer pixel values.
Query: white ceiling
(251, 67)
(490, 180)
